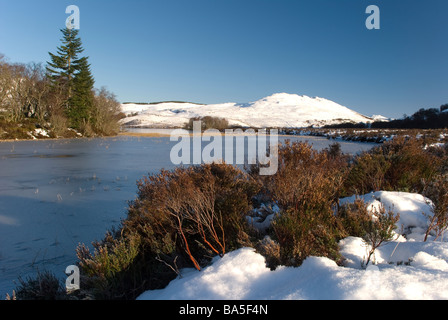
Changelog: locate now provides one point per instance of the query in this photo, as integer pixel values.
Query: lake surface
(55, 194)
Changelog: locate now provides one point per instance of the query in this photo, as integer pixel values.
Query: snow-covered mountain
(281, 110)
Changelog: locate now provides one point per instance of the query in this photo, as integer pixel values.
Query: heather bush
(107, 270)
(354, 217)
(45, 286)
(402, 164)
(304, 233)
(201, 208)
(181, 218)
(367, 174)
(411, 164)
(306, 187)
(375, 226)
(270, 250)
(437, 191)
(379, 229)
(305, 177)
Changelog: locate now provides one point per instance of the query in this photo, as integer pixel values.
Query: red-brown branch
(187, 248)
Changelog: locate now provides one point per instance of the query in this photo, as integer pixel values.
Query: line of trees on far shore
(432, 118)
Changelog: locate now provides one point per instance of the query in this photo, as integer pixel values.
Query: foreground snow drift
(406, 268)
(242, 275)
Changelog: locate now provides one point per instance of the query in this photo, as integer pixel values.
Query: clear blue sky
(214, 51)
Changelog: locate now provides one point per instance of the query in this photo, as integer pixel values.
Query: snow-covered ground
(278, 110)
(406, 268)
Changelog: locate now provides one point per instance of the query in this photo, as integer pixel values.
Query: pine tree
(62, 68)
(82, 99)
(71, 74)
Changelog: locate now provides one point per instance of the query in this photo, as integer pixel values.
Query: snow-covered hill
(281, 110)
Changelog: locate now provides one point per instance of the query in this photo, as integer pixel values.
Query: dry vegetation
(208, 122)
(185, 217)
(29, 101)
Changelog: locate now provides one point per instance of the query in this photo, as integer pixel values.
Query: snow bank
(411, 207)
(243, 275)
(405, 269)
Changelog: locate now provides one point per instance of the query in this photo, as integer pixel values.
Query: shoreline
(343, 135)
(133, 134)
(165, 135)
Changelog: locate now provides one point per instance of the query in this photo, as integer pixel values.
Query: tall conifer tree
(72, 74)
(82, 99)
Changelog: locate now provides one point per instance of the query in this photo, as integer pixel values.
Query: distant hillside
(152, 103)
(280, 110)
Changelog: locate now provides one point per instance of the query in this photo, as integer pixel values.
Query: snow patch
(41, 132)
(242, 275)
(410, 206)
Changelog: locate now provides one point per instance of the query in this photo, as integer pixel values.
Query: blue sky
(214, 51)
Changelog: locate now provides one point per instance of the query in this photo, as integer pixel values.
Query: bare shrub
(209, 122)
(59, 124)
(106, 113)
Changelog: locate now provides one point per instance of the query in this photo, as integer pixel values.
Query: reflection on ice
(8, 221)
